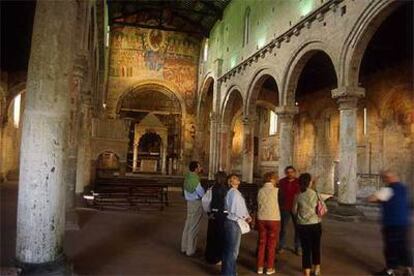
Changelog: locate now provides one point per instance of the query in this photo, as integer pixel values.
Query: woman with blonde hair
(236, 208)
(268, 223)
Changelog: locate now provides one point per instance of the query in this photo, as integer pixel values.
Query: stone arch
(234, 89)
(157, 85)
(99, 162)
(258, 79)
(296, 64)
(209, 80)
(358, 39)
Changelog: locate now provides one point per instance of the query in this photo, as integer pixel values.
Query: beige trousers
(192, 225)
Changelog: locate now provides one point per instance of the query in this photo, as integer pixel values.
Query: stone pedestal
(347, 98)
(285, 115)
(41, 198)
(248, 150)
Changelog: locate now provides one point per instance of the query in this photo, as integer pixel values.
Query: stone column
(223, 146)
(248, 149)
(285, 116)
(135, 157)
(164, 159)
(79, 72)
(213, 146)
(347, 98)
(41, 198)
(83, 174)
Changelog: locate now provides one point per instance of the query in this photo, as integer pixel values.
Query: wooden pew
(129, 193)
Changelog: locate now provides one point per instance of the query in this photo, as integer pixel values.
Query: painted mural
(138, 54)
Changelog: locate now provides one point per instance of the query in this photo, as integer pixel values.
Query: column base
(60, 267)
(345, 212)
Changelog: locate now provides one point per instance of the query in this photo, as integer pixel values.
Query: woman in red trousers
(268, 224)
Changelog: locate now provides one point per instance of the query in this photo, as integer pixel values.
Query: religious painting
(155, 39)
(139, 54)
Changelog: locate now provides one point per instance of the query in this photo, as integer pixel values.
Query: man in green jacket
(193, 192)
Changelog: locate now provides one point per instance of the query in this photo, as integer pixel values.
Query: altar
(150, 146)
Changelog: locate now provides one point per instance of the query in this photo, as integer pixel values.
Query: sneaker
(385, 272)
(219, 263)
(270, 271)
(260, 270)
(280, 251)
(298, 251)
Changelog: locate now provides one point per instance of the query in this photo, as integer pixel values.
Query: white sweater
(267, 203)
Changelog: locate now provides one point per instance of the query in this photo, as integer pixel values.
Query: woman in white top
(236, 208)
(268, 223)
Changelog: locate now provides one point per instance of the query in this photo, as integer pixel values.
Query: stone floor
(147, 243)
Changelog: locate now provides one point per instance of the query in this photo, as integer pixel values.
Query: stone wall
(144, 59)
(138, 55)
(12, 84)
(387, 144)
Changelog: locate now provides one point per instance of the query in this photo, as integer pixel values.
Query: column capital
(348, 96)
(287, 111)
(348, 92)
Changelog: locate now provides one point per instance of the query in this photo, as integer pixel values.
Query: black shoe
(385, 272)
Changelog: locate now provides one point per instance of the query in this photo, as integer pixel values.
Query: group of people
(278, 202)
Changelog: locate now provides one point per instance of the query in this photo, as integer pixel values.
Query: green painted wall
(268, 19)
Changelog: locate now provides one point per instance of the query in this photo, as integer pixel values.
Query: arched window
(205, 50)
(16, 110)
(273, 123)
(246, 31)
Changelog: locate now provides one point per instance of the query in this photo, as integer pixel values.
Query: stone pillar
(248, 150)
(79, 72)
(41, 198)
(224, 135)
(347, 98)
(164, 159)
(213, 147)
(83, 173)
(135, 157)
(285, 116)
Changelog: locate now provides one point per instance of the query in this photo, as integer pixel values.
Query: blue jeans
(232, 236)
(285, 216)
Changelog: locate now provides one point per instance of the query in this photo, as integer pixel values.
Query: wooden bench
(128, 193)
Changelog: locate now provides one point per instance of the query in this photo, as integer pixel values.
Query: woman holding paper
(237, 215)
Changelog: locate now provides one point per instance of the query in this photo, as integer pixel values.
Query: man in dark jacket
(395, 221)
(288, 189)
